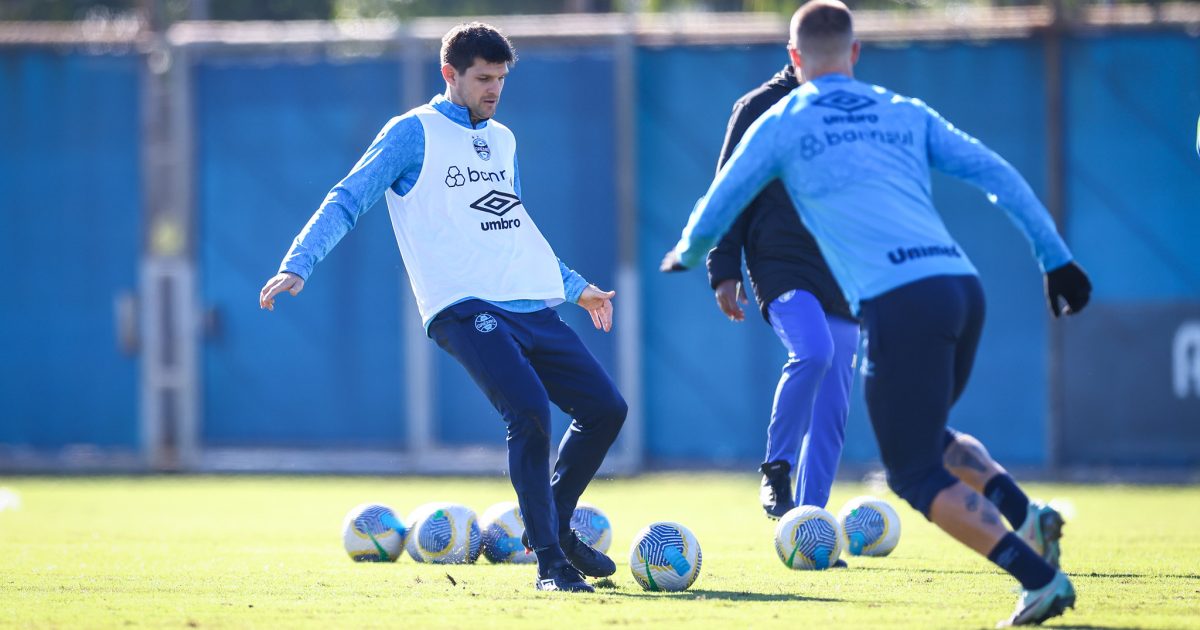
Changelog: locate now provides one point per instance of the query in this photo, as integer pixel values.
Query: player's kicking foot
(1042, 530)
(581, 555)
(1051, 600)
(563, 577)
(776, 491)
(586, 558)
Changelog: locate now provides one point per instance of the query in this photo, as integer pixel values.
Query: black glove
(1071, 284)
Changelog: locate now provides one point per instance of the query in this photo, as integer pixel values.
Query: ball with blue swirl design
(665, 556)
(444, 533)
(870, 527)
(415, 516)
(501, 527)
(808, 538)
(593, 526)
(372, 532)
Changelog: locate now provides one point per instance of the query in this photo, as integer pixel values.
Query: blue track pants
(812, 399)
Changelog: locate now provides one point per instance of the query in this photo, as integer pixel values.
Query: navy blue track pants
(921, 343)
(523, 362)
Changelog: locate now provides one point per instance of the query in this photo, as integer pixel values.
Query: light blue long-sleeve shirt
(393, 160)
(855, 159)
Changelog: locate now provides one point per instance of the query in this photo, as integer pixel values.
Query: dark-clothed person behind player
(802, 303)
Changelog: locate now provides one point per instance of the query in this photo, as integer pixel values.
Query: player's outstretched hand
(1070, 284)
(670, 263)
(599, 305)
(728, 294)
(280, 282)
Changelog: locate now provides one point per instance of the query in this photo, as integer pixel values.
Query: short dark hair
(822, 27)
(464, 43)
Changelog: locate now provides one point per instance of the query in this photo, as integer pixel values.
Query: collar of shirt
(832, 78)
(455, 112)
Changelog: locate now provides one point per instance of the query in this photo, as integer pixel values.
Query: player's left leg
(1035, 522)
(800, 324)
(821, 450)
(913, 334)
(579, 385)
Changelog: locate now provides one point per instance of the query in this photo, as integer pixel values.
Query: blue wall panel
(69, 242)
(326, 368)
(1133, 180)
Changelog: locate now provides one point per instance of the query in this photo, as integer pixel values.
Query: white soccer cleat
(1034, 607)
(1042, 530)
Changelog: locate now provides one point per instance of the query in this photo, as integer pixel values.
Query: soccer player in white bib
(485, 280)
(856, 160)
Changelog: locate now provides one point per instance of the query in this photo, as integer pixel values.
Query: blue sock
(1014, 556)
(1003, 492)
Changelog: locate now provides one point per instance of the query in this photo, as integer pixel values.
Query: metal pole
(630, 446)
(421, 383)
(1056, 204)
(169, 381)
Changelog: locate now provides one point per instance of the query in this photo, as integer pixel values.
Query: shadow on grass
(707, 594)
(1087, 627)
(1089, 574)
(1093, 574)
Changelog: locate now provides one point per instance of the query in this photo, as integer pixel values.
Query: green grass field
(239, 552)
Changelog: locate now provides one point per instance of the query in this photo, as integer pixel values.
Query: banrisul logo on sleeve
(481, 148)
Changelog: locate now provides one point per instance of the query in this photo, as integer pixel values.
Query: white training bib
(462, 231)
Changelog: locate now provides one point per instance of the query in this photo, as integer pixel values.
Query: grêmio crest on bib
(481, 148)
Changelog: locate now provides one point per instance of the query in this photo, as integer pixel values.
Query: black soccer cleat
(563, 577)
(586, 558)
(581, 555)
(776, 491)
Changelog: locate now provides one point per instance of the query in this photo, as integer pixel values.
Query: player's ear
(797, 60)
(449, 74)
(855, 49)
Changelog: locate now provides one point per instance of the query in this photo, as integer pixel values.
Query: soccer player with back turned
(803, 304)
(856, 160)
(485, 278)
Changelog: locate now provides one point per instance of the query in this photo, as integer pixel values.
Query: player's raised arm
(392, 160)
(957, 153)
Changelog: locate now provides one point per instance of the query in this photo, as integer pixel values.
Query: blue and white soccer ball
(501, 527)
(870, 526)
(593, 526)
(415, 516)
(444, 533)
(808, 537)
(665, 556)
(373, 533)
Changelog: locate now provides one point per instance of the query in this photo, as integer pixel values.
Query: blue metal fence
(274, 133)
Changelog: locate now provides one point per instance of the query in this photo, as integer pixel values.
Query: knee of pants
(920, 486)
(530, 421)
(816, 353)
(613, 411)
